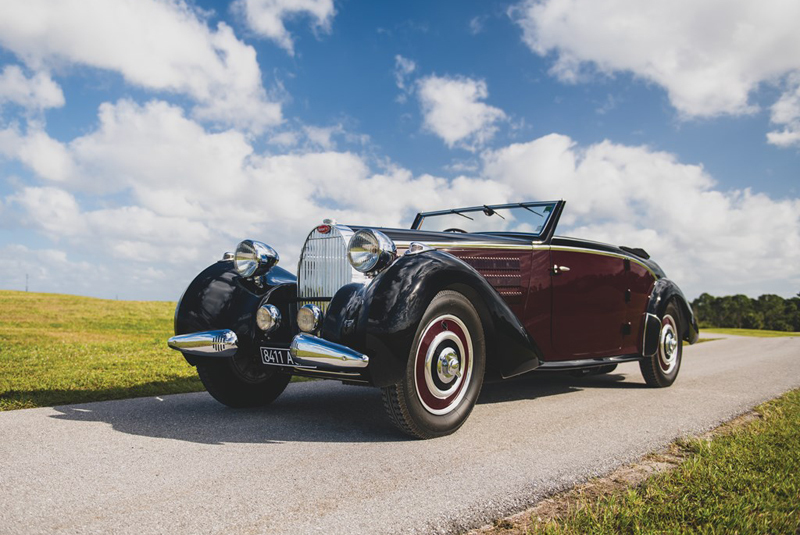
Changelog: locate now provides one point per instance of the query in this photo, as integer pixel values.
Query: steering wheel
(454, 229)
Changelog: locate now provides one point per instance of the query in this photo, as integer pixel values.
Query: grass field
(743, 481)
(57, 349)
(749, 332)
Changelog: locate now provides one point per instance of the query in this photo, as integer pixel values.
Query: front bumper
(309, 355)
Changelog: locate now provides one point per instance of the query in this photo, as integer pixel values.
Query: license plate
(276, 356)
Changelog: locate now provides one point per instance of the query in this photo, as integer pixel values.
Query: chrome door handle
(558, 269)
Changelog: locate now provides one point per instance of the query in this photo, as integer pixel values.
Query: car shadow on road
(319, 411)
(542, 384)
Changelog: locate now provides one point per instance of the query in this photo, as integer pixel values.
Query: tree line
(770, 312)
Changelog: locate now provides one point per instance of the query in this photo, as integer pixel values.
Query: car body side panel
(588, 305)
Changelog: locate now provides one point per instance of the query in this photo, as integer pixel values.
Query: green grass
(57, 349)
(745, 481)
(749, 332)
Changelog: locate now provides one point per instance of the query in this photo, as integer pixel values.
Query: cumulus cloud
(266, 17)
(706, 239)
(38, 92)
(178, 52)
(709, 56)
(786, 112)
(453, 110)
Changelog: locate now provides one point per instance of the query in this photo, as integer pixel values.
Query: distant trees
(771, 312)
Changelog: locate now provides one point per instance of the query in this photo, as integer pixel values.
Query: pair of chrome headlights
(369, 251)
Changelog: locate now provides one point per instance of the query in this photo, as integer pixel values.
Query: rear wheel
(237, 383)
(444, 373)
(661, 369)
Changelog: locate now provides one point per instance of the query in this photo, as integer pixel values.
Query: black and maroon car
(427, 314)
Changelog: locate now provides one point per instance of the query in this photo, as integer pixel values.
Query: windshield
(529, 218)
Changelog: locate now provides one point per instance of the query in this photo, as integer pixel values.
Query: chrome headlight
(254, 258)
(268, 318)
(309, 318)
(370, 251)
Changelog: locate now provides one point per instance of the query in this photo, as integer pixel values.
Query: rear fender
(663, 292)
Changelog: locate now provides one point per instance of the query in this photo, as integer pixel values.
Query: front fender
(381, 318)
(663, 292)
(219, 298)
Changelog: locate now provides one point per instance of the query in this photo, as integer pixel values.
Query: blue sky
(140, 140)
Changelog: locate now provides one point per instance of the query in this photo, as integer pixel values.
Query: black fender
(219, 298)
(663, 292)
(381, 318)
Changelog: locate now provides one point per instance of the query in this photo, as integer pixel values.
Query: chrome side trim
(222, 343)
(308, 350)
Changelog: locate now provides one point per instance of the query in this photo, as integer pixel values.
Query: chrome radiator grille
(324, 267)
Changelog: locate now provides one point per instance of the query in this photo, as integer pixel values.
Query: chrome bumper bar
(311, 351)
(222, 343)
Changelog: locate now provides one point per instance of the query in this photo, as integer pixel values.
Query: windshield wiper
(489, 212)
(530, 209)
(462, 215)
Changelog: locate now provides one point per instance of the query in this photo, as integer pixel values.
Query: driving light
(268, 318)
(370, 251)
(254, 258)
(308, 318)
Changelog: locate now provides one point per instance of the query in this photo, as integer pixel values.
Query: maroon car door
(588, 304)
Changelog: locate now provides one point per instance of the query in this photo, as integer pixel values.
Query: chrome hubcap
(448, 365)
(669, 345)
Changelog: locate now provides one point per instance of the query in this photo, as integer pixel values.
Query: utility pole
(26, 282)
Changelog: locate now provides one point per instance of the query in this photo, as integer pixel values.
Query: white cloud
(46, 156)
(403, 67)
(453, 110)
(476, 24)
(709, 56)
(786, 112)
(266, 17)
(35, 93)
(177, 52)
(706, 239)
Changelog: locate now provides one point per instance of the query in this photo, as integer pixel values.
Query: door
(588, 307)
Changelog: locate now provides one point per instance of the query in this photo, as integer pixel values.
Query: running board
(586, 363)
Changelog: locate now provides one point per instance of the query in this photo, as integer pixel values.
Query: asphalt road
(324, 459)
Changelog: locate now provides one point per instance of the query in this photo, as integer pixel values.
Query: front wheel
(239, 386)
(661, 369)
(444, 373)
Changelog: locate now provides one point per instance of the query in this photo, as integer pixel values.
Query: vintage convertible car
(427, 314)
